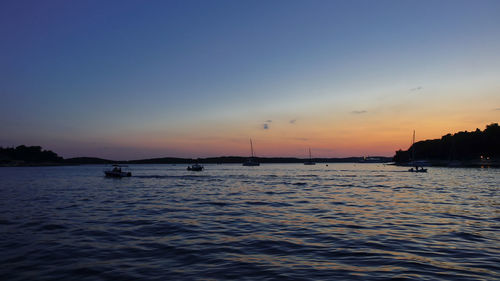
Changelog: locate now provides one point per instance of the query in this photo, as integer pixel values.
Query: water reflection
(277, 221)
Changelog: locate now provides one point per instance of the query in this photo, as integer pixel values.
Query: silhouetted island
(29, 156)
(466, 149)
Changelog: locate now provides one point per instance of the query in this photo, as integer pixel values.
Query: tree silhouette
(459, 146)
(28, 154)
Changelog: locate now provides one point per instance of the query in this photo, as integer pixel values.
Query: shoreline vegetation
(59, 161)
(462, 149)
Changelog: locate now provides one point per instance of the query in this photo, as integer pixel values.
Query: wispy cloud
(497, 109)
(359, 111)
(416, 89)
(265, 126)
(293, 121)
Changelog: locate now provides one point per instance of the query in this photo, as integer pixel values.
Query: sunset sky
(142, 79)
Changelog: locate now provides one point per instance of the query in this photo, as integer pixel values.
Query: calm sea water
(289, 221)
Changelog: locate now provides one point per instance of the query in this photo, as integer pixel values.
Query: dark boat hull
(112, 174)
(417, 171)
(195, 169)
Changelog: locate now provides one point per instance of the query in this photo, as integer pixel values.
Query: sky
(129, 80)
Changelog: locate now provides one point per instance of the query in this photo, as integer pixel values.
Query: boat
(309, 162)
(195, 167)
(418, 170)
(251, 161)
(116, 172)
(371, 159)
(415, 163)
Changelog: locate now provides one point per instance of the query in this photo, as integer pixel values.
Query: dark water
(341, 222)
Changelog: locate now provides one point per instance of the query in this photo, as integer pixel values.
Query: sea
(230, 222)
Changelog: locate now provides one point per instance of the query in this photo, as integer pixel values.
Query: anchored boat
(309, 162)
(251, 161)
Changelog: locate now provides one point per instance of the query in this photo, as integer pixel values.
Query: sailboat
(309, 162)
(251, 161)
(413, 162)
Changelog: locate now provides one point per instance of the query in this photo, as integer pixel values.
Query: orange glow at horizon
(329, 130)
(342, 140)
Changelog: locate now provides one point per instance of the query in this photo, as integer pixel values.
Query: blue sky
(128, 79)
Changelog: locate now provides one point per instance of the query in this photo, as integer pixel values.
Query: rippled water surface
(288, 221)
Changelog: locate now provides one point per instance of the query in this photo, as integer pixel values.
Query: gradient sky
(140, 79)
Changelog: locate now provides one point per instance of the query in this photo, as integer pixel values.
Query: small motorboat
(195, 167)
(117, 172)
(417, 170)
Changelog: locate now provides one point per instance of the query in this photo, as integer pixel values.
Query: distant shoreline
(264, 160)
(36, 164)
(453, 164)
(211, 160)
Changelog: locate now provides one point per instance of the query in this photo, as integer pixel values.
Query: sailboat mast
(413, 147)
(251, 147)
(310, 154)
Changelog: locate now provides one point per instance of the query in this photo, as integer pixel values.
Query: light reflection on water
(345, 221)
